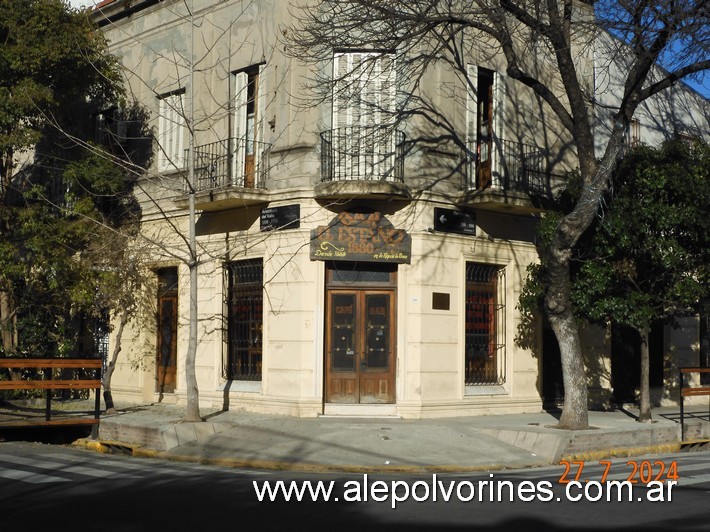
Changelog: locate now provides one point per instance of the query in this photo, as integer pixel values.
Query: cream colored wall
(430, 351)
(430, 342)
(430, 362)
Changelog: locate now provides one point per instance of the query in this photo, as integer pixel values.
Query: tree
(53, 67)
(648, 257)
(547, 47)
(67, 209)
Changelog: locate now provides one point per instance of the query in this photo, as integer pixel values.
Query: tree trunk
(574, 410)
(557, 255)
(7, 318)
(106, 381)
(644, 388)
(193, 400)
(193, 397)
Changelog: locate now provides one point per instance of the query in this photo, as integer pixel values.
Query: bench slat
(44, 422)
(687, 392)
(51, 363)
(49, 385)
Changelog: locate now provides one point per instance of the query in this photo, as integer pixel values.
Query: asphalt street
(63, 488)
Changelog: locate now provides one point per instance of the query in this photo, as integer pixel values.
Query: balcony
(512, 180)
(362, 162)
(230, 173)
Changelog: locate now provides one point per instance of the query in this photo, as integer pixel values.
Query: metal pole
(682, 424)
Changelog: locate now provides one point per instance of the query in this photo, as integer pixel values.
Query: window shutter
(471, 108)
(498, 175)
(171, 131)
(260, 122)
(471, 122)
(240, 122)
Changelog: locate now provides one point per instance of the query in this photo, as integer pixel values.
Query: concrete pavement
(242, 439)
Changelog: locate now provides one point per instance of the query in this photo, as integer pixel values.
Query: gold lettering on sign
(360, 236)
(344, 309)
(378, 311)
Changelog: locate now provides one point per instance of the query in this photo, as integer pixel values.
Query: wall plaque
(284, 217)
(361, 236)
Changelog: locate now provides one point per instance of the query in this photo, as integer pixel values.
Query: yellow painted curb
(105, 446)
(622, 452)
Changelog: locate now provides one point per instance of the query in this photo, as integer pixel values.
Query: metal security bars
(362, 153)
(485, 325)
(244, 320)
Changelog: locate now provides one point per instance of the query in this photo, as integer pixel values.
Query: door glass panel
(377, 332)
(343, 332)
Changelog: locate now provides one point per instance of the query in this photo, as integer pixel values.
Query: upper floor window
(633, 133)
(362, 139)
(483, 111)
(364, 89)
(171, 132)
(248, 138)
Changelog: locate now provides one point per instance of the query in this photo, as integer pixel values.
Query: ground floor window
(244, 320)
(485, 324)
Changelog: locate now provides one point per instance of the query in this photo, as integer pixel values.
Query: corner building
(343, 268)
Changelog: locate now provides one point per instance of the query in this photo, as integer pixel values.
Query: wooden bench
(49, 383)
(686, 391)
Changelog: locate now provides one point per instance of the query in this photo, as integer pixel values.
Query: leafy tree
(53, 193)
(528, 34)
(649, 254)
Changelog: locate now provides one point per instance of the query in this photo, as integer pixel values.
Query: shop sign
(361, 236)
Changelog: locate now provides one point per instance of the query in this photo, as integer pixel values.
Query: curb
(136, 451)
(623, 452)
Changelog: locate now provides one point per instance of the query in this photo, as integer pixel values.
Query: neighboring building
(342, 270)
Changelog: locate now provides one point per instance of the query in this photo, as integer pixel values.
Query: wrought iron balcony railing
(231, 163)
(514, 166)
(362, 153)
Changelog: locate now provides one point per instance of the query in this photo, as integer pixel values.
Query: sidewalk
(241, 439)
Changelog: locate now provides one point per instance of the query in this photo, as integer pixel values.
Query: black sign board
(284, 217)
(451, 221)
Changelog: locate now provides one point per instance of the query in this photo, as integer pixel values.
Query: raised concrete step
(157, 436)
(360, 410)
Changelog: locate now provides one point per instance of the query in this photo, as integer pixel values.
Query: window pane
(343, 320)
(378, 331)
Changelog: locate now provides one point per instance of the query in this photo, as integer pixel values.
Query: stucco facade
(422, 327)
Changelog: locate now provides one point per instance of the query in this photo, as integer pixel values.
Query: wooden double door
(360, 346)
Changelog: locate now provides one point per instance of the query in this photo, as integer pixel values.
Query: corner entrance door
(360, 346)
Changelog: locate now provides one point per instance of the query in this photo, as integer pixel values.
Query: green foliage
(649, 253)
(647, 257)
(529, 304)
(64, 215)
